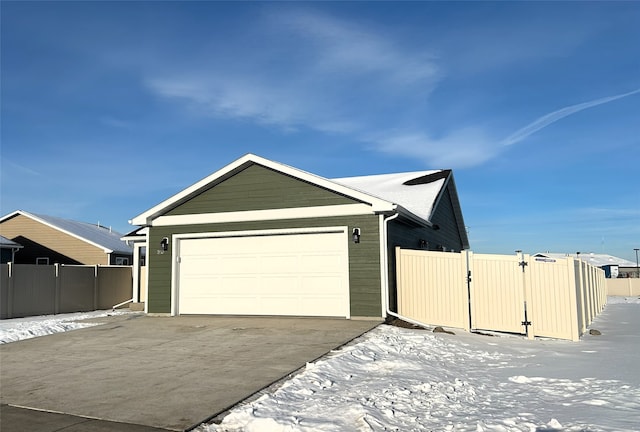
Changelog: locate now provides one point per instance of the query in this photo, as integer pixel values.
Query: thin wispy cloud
(555, 116)
(463, 147)
(612, 213)
(230, 97)
(333, 68)
(343, 47)
(114, 122)
(11, 168)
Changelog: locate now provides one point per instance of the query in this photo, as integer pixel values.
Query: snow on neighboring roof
(415, 191)
(6, 243)
(100, 236)
(598, 260)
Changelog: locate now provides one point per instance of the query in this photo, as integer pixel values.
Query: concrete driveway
(164, 372)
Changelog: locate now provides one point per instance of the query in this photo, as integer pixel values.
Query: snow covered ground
(396, 379)
(16, 329)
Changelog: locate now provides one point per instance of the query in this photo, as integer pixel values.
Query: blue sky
(110, 107)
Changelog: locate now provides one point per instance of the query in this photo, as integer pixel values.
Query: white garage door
(286, 274)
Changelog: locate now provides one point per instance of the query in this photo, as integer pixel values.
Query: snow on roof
(415, 191)
(8, 243)
(598, 260)
(100, 236)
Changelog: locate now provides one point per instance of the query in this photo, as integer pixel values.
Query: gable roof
(598, 260)
(415, 194)
(377, 204)
(6, 243)
(99, 236)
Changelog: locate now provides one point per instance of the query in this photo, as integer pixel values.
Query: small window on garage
(122, 261)
(42, 261)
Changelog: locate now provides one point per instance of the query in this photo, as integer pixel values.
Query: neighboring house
(613, 266)
(8, 249)
(261, 238)
(51, 240)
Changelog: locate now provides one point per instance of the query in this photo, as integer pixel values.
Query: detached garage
(261, 238)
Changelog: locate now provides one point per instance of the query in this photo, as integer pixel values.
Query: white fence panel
(429, 280)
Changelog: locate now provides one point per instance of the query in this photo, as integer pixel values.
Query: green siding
(258, 188)
(364, 258)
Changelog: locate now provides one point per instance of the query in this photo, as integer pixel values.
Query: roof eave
(412, 216)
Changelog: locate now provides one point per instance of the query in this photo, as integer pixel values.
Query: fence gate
(497, 293)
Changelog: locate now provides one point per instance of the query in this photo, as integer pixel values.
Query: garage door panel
(313, 262)
(294, 274)
(324, 286)
(236, 265)
(278, 263)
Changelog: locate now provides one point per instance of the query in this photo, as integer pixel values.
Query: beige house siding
(41, 240)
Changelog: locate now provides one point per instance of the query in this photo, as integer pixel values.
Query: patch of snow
(397, 379)
(17, 329)
(621, 299)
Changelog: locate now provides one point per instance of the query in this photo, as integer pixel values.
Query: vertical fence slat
(56, 302)
(95, 288)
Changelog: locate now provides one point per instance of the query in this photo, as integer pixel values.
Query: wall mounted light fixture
(164, 243)
(356, 235)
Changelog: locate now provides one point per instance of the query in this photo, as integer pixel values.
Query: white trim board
(265, 215)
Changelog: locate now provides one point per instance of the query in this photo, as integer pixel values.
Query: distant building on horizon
(613, 266)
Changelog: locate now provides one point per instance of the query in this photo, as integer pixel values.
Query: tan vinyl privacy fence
(28, 290)
(623, 287)
(519, 294)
